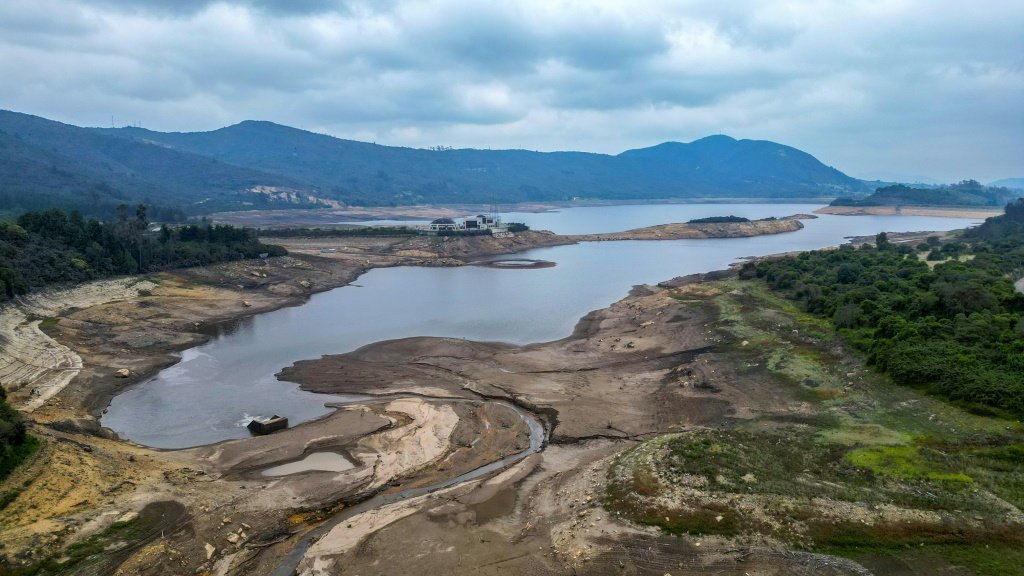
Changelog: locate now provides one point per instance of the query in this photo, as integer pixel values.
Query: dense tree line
(956, 330)
(48, 247)
(719, 220)
(13, 437)
(965, 193)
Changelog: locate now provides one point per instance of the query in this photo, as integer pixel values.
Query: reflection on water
(200, 399)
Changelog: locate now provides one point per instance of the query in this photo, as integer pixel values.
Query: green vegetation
(966, 193)
(46, 164)
(15, 443)
(253, 165)
(50, 247)
(718, 220)
(101, 553)
(955, 330)
(901, 461)
(865, 469)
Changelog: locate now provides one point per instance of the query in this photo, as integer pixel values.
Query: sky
(928, 90)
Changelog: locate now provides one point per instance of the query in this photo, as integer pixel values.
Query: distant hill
(1014, 183)
(966, 193)
(45, 164)
(362, 173)
(253, 164)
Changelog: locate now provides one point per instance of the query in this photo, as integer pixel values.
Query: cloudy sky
(890, 88)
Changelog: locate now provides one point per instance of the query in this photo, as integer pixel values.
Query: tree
(140, 216)
(882, 241)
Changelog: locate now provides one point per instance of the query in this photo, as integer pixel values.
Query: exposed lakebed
(315, 462)
(210, 394)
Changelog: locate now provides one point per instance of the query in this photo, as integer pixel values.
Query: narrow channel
(537, 437)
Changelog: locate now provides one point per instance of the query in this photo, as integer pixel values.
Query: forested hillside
(53, 247)
(251, 165)
(955, 329)
(46, 164)
(363, 173)
(966, 193)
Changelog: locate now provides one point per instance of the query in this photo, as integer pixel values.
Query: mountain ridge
(258, 163)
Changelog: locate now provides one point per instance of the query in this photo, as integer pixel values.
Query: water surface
(217, 387)
(316, 461)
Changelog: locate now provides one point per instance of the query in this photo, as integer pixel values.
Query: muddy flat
(947, 212)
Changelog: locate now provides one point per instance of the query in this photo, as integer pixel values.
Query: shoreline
(942, 211)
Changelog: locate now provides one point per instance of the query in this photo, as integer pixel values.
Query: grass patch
(711, 519)
(17, 454)
(9, 496)
(101, 553)
(867, 470)
(925, 551)
(78, 554)
(909, 462)
(854, 434)
(48, 321)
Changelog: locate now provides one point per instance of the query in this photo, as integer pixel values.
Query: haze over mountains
(1013, 183)
(261, 164)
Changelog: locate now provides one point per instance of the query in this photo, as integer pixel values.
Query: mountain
(261, 164)
(1014, 183)
(44, 163)
(362, 173)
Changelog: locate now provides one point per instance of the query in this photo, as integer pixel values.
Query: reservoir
(216, 388)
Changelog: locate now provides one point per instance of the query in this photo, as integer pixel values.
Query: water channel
(216, 388)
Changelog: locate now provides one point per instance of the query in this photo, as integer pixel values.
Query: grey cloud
(188, 7)
(923, 86)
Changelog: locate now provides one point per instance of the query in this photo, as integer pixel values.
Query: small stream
(537, 437)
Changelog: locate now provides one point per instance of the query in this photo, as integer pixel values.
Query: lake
(216, 388)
